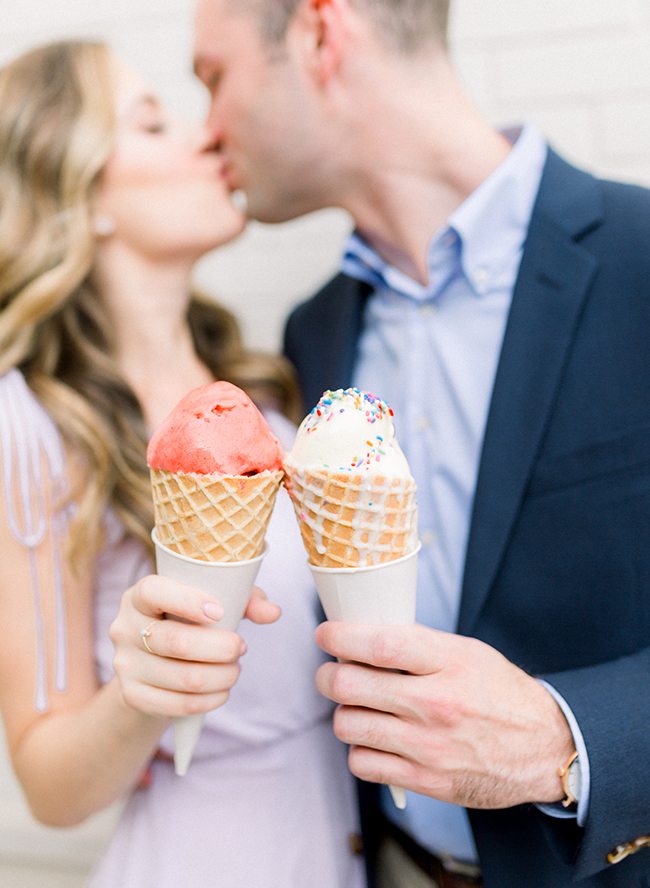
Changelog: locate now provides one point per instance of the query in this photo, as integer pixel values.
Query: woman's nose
(196, 136)
(207, 139)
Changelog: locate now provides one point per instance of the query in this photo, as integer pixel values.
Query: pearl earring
(104, 226)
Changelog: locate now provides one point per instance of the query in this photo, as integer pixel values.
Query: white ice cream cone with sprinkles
(354, 498)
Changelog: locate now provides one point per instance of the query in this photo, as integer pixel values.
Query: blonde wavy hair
(57, 130)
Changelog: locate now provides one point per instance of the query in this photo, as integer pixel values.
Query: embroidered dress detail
(32, 444)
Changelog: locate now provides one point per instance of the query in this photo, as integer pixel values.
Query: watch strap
(563, 773)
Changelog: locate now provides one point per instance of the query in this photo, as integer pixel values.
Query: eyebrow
(151, 100)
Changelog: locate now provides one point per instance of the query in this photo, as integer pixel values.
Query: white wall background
(580, 69)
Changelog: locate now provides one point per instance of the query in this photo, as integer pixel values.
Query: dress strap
(31, 445)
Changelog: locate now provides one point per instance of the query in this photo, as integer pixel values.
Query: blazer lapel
(552, 284)
(329, 362)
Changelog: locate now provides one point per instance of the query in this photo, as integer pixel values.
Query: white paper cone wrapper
(380, 595)
(228, 582)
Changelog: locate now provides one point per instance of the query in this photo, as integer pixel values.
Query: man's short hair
(405, 25)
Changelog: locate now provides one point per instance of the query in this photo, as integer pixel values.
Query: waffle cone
(213, 517)
(353, 520)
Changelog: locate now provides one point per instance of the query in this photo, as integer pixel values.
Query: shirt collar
(483, 237)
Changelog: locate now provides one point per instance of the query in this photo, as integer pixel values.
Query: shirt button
(422, 422)
(482, 275)
(427, 310)
(428, 538)
(356, 844)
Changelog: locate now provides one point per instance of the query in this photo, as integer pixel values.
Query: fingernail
(212, 610)
(243, 647)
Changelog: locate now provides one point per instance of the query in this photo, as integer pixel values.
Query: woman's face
(162, 186)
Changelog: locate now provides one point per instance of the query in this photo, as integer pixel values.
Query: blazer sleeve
(611, 704)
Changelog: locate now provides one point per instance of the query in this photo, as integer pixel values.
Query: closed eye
(149, 116)
(156, 128)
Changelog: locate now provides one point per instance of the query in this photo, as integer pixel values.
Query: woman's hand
(260, 609)
(183, 668)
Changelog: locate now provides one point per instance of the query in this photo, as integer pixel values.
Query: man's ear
(323, 26)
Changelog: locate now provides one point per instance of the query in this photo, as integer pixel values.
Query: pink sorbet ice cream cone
(216, 468)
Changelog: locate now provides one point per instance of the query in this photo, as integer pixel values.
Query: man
(499, 300)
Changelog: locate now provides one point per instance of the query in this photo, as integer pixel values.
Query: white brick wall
(580, 69)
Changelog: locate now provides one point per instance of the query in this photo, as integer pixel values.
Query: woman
(105, 204)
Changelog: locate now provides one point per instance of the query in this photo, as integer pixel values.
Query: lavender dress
(268, 801)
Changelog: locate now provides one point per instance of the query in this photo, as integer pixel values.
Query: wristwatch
(570, 775)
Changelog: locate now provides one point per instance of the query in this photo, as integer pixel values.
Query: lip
(217, 165)
(221, 173)
(229, 176)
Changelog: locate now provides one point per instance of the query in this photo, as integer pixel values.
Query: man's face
(260, 112)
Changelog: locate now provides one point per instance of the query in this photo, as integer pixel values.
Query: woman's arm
(92, 743)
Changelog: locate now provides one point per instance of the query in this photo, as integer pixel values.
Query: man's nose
(205, 138)
(214, 129)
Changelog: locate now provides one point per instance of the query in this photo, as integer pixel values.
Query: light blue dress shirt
(431, 351)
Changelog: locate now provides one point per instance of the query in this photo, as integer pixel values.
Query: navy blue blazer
(557, 572)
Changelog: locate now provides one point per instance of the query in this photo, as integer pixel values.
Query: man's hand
(463, 725)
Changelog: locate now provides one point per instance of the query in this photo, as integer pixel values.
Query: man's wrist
(557, 810)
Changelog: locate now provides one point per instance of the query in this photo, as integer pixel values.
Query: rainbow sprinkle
(373, 409)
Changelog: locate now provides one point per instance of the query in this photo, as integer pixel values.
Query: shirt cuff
(583, 760)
